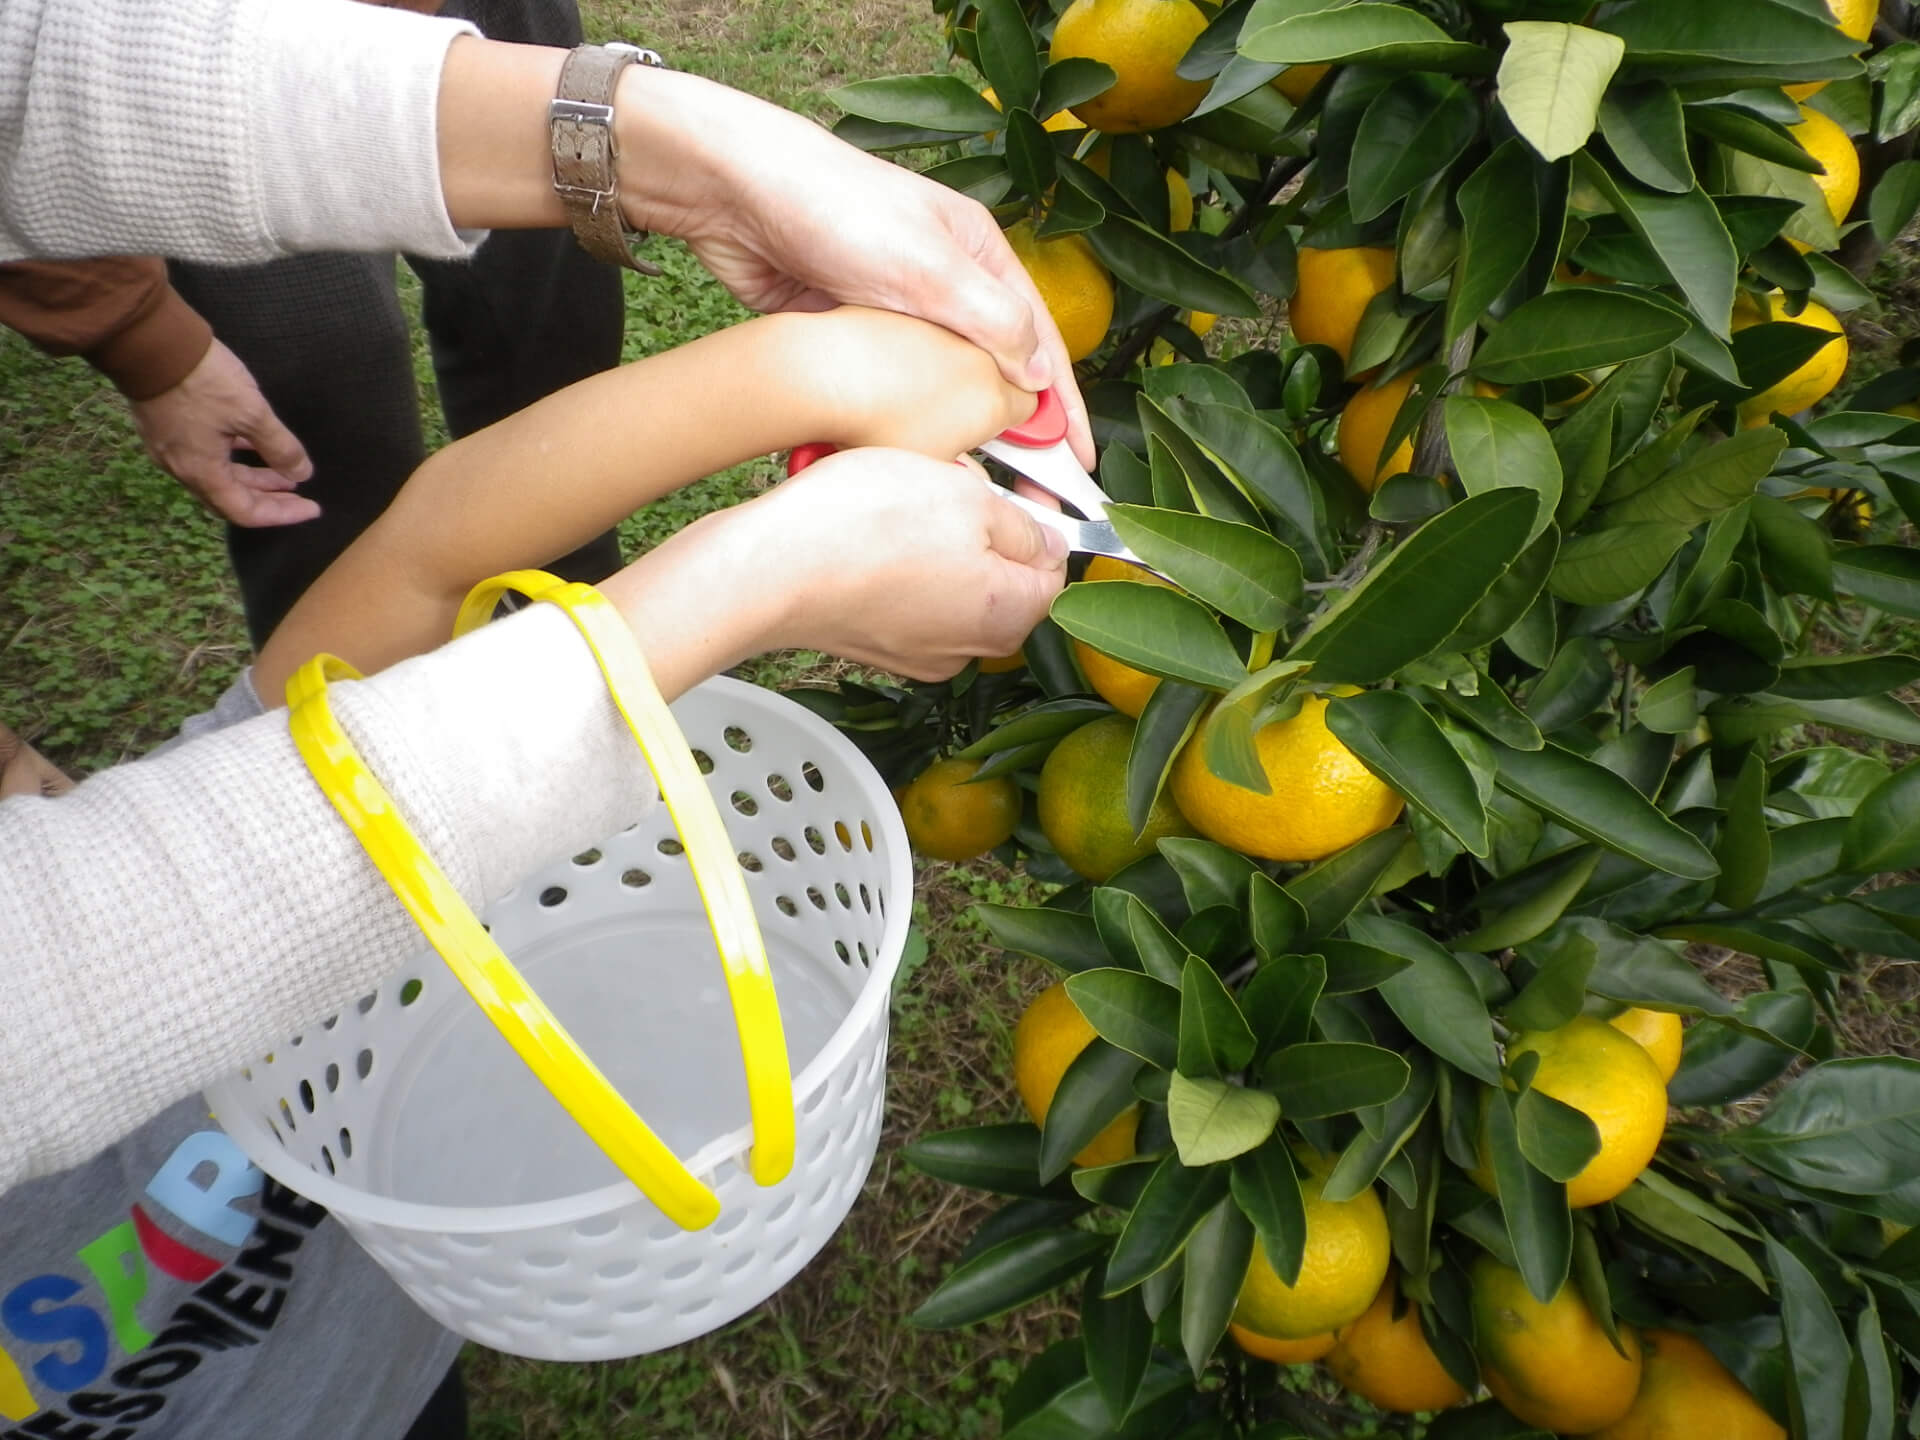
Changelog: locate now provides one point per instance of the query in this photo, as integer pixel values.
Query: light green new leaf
(1551, 80)
(1212, 1120)
(1713, 481)
(1496, 444)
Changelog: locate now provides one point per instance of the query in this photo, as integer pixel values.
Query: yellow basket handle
(450, 925)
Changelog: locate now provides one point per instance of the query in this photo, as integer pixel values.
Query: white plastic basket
(410, 1118)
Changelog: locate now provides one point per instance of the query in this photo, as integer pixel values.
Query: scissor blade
(1054, 470)
(1088, 537)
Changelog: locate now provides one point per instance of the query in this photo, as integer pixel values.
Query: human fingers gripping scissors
(1037, 448)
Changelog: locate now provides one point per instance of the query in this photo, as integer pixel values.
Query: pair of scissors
(1037, 448)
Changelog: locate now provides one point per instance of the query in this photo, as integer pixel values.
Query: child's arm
(549, 478)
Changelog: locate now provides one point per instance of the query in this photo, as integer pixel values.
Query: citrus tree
(1516, 634)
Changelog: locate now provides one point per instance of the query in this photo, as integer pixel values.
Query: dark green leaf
(1275, 917)
(1434, 997)
(1047, 721)
(1352, 967)
(1794, 549)
(1363, 1159)
(1817, 1348)
(1745, 848)
(1279, 1001)
(1266, 1188)
(1396, 739)
(1210, 875)
(1068, 940)
(1568, 330)
(1007, 55)
(1134, 1012)
(1414, 129)
(1598, 805)
(1417, 597)
(1065, 83)
(1382, 35)
(1002, 1158)
(1766, 37)
(1325, 1078)
(1119, 1340)
(1500, 210)
(1174, 1202)
(1885, 576)
(1262, 461)
(1685, 231)
(1644, 126)
(1151, 628)
(1539, 1225)
(1496, 444)
(1674, 1214)
(1848, 1126)
(1022, 1217)
(1490, 711)
(1895, 200)
(1713, 481)
(1515, 923)
(1097, 1087)
(1007, 1277)
(1557, 1139)
(1576, 684)
(978, 177)
(1241, 571)
(1590, 1278)
(1487, 1420)
(1031, 160)
(1216, 1265)
(1603, 566)
(1751, 134)
(1214, 1121)
(1171, 713)
(1884, 834)
(1841, 677)
(1670, 706)
(1135, 936)
(928, 102)
(1154, 265)
(1332, 889)
(1214, 1037)
(1554, 995)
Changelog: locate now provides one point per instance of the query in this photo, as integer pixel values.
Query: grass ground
(117, 619)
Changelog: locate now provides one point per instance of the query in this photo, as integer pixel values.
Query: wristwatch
(580, 122)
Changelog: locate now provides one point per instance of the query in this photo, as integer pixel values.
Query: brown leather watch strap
(580, 120)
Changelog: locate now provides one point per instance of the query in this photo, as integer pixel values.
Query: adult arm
(235, 130)
(192, 400)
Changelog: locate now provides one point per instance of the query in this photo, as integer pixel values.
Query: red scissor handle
(1046, 426)
(804, 455)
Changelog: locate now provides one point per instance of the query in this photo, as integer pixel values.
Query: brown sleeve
(119, 313)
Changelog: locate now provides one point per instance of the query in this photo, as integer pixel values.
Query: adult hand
(192, 430)
(790, 218)
(25, 771)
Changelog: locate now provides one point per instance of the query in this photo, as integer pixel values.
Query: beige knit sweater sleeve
(224, 131)
(172, 918)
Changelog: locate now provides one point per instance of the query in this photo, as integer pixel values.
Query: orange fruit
(1551, 1365)
(1058, 121)
(1280, 1352)
(1323, 799)
(1839, 180)
(1854, 18)
(1364, 424)
(1333, 289)
(1341, 1267)
(1296, 82)
(1072, 282)
(949, 818)
(1143, 40)
(1388, 1361)
(1082, 802)
(1049, 1037)
(1686, 1393)
(1658, 1032)
(1813, 381)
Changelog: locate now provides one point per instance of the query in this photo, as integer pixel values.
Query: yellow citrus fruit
(1001, 664)
(1364, 424)
(1202, 321)
(1059, 120)
(1855, 20)
(1389, 1362)
(1341, 1268)
(1551, 1365)
(1839, 182)
(1120, 685)
(1075, 286)
(1610, 1079)
(1333, 289)
(1048, 1038)
(1658, 1032)
(1083, 801)
(1686, 1393)
(1890, 1232)
(1281, 1352)
(1179, 193)
(1812, 382)
(1142, 40)
(950, 819)
(1323, 799)
(1296, 82)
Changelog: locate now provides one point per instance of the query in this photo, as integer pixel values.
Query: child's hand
(881, 556)
(885, 379)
